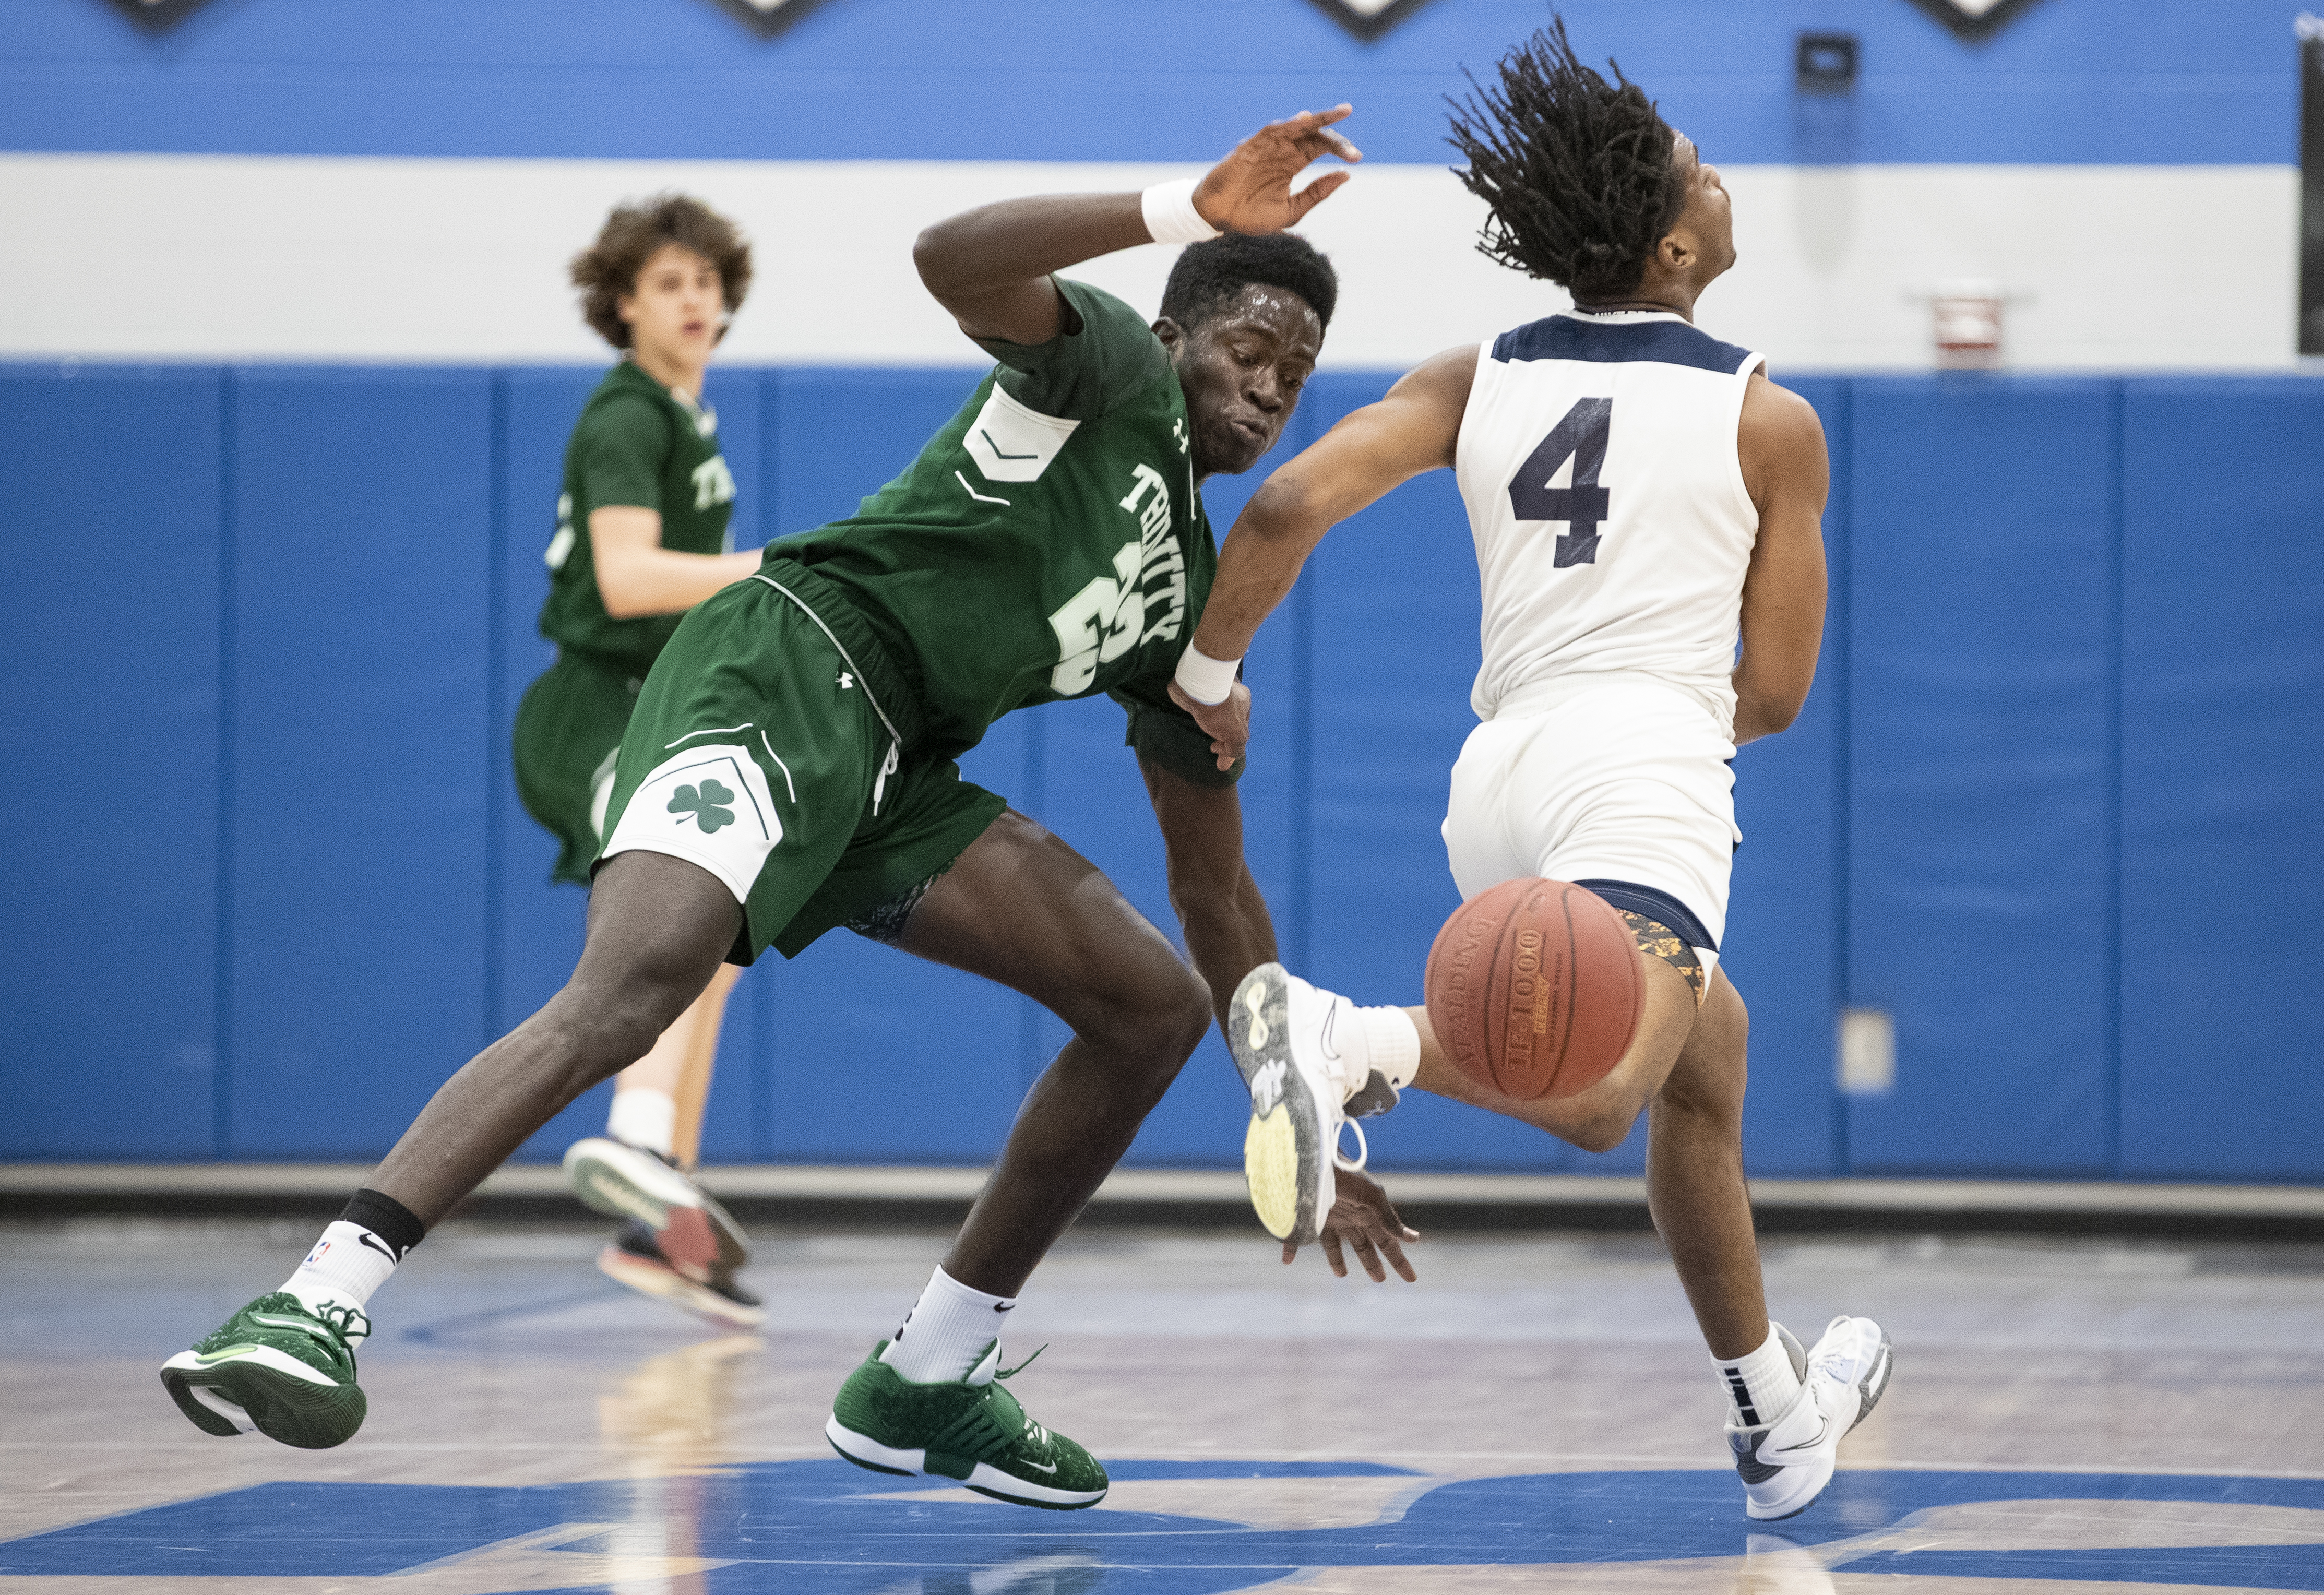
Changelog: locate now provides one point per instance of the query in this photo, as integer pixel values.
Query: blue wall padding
(360, 577)
(835, 438)
(536, 929)
(2104, 81)
(2068, 685)
(1782, 950)
(1980, 636)
(2222, 779)
(110, 488)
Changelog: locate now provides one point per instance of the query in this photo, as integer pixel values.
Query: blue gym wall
(2050, 804)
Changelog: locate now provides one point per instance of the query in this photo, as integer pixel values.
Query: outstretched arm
(991, 266)
(1415, 428)
(1781, 444)
(1228, 931)
(1228, 935)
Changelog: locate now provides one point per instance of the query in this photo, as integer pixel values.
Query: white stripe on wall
(214, 258)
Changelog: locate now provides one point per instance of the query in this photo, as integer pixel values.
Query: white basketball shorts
(1621, 780)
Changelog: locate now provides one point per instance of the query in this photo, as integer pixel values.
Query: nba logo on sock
(316, 1256)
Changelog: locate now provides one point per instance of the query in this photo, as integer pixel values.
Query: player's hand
(1360, 1217)
(1250, 191)
(1228, 721)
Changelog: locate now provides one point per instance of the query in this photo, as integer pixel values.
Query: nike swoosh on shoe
(222, 1354)
(1802, 1447)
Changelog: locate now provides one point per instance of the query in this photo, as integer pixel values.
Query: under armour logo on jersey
(1178, 430)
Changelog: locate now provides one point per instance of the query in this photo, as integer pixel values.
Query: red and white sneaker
(691, 1231)
(1785, 1464)
(635, 1261)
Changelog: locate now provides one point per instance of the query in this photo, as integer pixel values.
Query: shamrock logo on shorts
(704, 804)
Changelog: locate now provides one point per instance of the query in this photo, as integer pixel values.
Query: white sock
(1391, 1045)
(347, 1264)
(1762, 1386)
(643, 1117)
(1370, 1038)
(945, 1335)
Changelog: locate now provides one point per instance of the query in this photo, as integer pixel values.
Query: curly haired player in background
(1642, 497)
(642, 537)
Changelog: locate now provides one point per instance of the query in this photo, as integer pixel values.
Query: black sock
(386, 1218)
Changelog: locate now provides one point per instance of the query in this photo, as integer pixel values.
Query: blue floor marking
(436, 1331)
(767, 1519)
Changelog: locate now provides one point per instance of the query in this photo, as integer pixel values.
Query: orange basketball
(1534, 989)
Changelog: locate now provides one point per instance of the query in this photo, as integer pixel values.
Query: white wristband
(1171, 216)
(1204, 679)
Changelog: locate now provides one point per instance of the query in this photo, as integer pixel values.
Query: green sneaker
(971, 1430)
(278, 1367)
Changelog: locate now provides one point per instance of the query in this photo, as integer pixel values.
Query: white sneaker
(696, 1236)
(1279, 1029)
(1786, 1464)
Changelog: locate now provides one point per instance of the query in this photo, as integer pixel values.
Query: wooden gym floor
(2068, 1418)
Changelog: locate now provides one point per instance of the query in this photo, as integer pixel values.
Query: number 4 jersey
(1598, 460)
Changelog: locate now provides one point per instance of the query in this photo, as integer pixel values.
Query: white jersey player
(1598, 456)
(1646, 506)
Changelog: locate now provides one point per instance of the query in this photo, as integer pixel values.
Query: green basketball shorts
(569, 730)
(760, 750)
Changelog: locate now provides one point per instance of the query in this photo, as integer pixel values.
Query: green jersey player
(789, 769)
(642, 537)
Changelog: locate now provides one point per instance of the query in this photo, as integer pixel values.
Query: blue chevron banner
(1974, 19)
(767, 18)
(157, 16)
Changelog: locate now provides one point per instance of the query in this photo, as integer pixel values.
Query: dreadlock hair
(1208, 275)
(608, 268)
(1577, 169)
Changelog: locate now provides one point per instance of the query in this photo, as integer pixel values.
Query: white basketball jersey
(1598, 459)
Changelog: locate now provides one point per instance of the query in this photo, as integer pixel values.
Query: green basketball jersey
(1047, 543)
(636, 444)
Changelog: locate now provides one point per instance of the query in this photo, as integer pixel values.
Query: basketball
(1534, 989)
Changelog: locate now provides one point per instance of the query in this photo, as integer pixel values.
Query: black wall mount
(1826, 63)
(2311, 185)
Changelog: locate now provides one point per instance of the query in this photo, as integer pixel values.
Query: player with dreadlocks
(1643, 501)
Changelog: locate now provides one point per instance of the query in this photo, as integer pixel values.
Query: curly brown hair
(609, 268)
